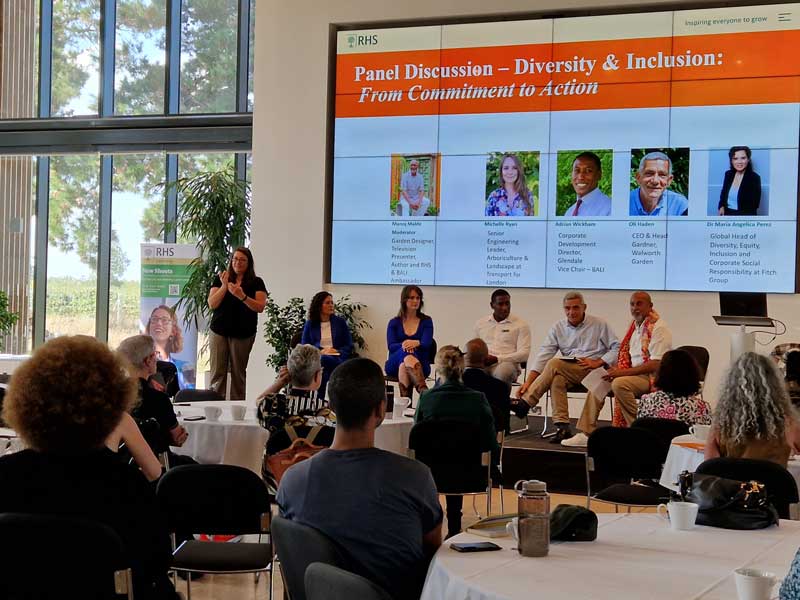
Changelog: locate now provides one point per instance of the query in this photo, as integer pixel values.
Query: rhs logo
(356, 41)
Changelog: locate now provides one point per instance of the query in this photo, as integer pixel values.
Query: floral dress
(689, 409)
(498, 205)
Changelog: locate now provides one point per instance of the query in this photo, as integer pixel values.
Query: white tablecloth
(225, 441)
(680, 458)
(635, 556)
(242, 443)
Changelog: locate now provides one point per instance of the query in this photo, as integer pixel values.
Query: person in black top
(497, 392)
(741, 187)
(236, 298)
(64, 402)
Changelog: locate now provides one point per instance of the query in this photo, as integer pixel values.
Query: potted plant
(215, 214)
(284, 324)
(7, 318)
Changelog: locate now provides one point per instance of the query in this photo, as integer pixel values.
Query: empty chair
(82, 559)
(781, 485)
(327, 582)
(625, 464)
(184, 396)
(665, 429)
(217, 499)
(297, 546)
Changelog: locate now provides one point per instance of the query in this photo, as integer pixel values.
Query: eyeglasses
(238, 260)
(160, 320)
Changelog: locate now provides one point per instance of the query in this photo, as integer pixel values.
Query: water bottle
(533, 508)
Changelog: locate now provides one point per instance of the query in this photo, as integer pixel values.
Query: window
(76, 58)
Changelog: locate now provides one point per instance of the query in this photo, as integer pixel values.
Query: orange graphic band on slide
(703, 70)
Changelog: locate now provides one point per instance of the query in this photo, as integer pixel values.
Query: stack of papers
(492, 527)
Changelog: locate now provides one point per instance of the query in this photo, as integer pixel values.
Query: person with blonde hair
(64, 402)
(451, 399)
(754, 417)
(512, 198)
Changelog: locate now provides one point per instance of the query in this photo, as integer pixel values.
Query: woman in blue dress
(410, 338)
(329, 333)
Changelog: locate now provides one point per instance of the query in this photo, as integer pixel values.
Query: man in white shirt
(586, 174)
(646, 341)
(413, 202)
(585, 343)
(507, 336)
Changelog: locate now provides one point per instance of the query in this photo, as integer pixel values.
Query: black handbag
(727, 503)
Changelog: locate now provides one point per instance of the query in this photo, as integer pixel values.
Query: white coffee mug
(512, 528)
(682, 515)
(400, 404)
(213, 413)
(754, 584)
(238, 412)
(700, 431)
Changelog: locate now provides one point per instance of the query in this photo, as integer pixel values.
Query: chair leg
(502, 502)
(189, 585)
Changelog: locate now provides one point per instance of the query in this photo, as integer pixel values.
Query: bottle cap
(533, 486)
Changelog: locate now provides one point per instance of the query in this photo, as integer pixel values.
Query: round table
(686, 454)
(634, 556)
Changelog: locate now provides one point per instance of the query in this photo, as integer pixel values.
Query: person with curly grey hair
(754, 417)
(451, 399)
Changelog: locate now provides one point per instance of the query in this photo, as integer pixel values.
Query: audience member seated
(507, 336)
(409, 337)
(451, 399)
(588, 341)
(640, 352)
(140, 352)
(498, 393)
(329, 333)
(792, 361)
(128, 432)
(64, 402)
(379, 507)
(754, 417)
(677, 394)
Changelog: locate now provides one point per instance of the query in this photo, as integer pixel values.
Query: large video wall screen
(654, 150)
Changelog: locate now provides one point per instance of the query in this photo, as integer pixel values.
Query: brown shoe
(405, 391)
(419, 378)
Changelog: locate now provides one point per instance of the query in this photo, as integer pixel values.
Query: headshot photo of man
(584, 192)
(413, 201)
(651, 196)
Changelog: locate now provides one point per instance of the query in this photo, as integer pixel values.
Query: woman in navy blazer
(410, 338)
(329, 333)
(741, 188)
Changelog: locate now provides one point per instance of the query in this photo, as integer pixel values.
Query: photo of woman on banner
(509, 179)
(741, 187)
(164, 327)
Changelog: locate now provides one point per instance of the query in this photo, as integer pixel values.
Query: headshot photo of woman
(741, 188)
(410, 339)
(165, 329)
(236, 297)
(512, 198)
(329, 333)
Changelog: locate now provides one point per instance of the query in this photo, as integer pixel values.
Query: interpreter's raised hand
(235, 289)
(223, 277)
(591, 363)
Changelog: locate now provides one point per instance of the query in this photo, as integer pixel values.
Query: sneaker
(562, 433)
(579, 440)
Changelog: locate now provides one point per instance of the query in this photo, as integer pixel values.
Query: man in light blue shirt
(652, 198)
(586, 174)
(585, 343)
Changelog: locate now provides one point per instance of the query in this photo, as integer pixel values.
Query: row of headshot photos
(659, 183)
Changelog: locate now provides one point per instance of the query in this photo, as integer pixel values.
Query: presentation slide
(652, 150)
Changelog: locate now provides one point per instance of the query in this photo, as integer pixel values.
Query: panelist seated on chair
(329, 333)
(498, 393)
(588, 341)
(645, 342)
(754, 417)
(381, 508)
(409, 337)
(451, 399)
(64, 402)
(507, 336)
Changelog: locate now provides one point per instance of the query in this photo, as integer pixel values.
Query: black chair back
(700, 356)
(619, 454)
(198, 396)
(451, 448)
(665, 429)
(214, 499)
(49, 557)
(327, 582)
(297, 546)
(781, 485)
(167, 373)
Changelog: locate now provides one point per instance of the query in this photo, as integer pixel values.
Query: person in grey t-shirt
(381, 508)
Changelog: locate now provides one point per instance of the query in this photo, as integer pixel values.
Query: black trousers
(454, 505)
